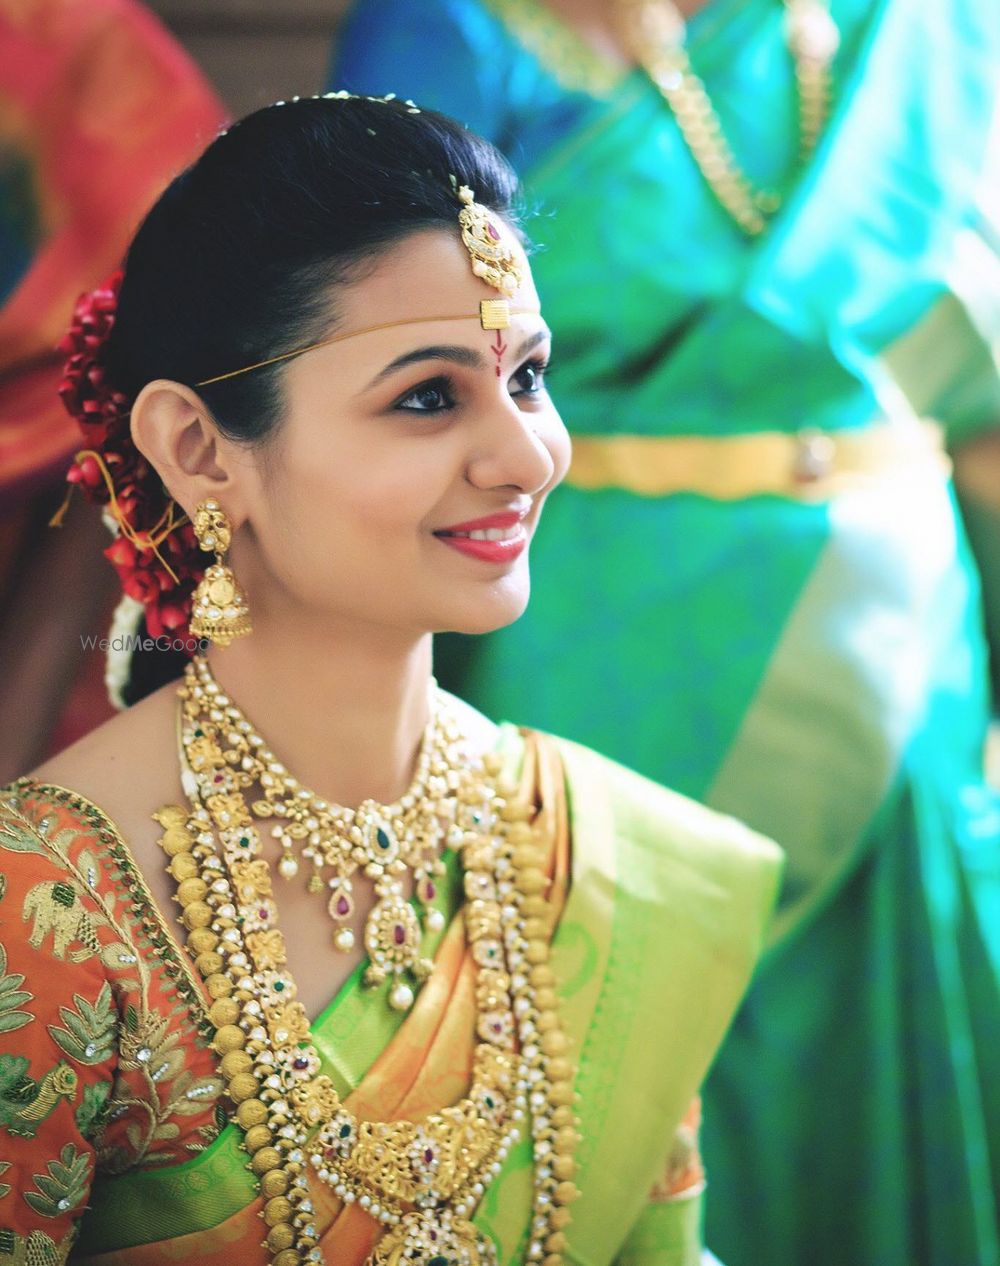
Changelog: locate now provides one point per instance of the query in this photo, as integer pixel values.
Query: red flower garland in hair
(155, 552)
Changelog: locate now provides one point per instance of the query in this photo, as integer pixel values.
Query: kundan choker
(382, 842)
(421, 1180)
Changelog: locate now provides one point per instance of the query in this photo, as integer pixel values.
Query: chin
(502, 606)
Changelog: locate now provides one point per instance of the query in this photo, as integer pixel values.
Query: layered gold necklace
(654, 33)
(422, 1181)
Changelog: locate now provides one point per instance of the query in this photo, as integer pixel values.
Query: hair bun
(154, 546)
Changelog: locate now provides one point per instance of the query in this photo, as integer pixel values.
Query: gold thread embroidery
(152, 1084)
(34, 1249)
(174, 960)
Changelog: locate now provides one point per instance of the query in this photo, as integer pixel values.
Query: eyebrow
(455, 353)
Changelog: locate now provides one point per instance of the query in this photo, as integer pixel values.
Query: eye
(433, 396)
(530, 378)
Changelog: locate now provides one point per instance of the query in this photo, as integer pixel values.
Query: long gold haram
(654, 32)
(422, 1181)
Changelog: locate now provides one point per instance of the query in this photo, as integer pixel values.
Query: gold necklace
(422, 1181)
(654, 33)
(383, 842)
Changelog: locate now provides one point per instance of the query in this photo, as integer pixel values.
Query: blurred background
(99, 107)
(255, 52)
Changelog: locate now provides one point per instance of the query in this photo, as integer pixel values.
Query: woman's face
(406, 481)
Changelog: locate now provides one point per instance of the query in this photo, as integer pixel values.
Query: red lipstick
(496, 538)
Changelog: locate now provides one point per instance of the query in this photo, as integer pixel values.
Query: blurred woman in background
(769, 262)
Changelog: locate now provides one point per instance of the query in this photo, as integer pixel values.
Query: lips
(497, 538)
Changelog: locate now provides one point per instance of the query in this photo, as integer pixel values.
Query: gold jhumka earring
(218, 606)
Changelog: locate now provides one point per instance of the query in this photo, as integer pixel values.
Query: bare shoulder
(127, 767)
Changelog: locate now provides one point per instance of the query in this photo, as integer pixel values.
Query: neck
(343, 710)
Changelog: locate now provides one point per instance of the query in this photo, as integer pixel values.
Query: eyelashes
(432, 396)
(535, 372)
(441, 393)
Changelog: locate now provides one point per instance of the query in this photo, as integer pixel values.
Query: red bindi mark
(498, 348)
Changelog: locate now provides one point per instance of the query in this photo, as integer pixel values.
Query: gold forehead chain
(493, 261)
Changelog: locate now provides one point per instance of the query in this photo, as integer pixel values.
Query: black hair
(237, 260)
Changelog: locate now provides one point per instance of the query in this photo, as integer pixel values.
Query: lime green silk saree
(665, 905)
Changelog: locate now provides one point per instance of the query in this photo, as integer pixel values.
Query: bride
(463, 1020)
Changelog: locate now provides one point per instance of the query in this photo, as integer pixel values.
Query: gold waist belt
(811, 465)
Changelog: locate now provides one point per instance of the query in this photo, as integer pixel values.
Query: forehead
(425, 275)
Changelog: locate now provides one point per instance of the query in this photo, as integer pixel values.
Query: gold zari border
(810, 465)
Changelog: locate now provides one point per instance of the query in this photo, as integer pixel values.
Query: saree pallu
(812, 662)
(661, 912)
(99, 109)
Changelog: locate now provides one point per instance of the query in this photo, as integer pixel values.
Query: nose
(512, 450)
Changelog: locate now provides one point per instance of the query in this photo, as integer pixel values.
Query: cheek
(363, 495)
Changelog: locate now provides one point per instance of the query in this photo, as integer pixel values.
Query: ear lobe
(173, 430)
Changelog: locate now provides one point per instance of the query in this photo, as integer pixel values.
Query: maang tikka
(492, 257)
(219, 607)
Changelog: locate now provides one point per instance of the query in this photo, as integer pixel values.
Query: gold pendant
(434, 1237)
(392, 939)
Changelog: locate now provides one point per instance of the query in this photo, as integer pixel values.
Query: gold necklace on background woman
(654, 33)
(422, 1181)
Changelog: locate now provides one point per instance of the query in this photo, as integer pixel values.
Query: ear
(174, 431)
